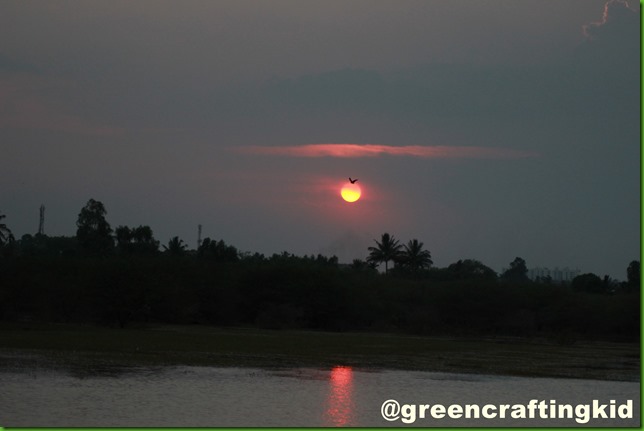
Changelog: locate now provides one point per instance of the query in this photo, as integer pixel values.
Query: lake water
(185, 396)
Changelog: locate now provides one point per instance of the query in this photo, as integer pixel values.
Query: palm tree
(175, 247)
(387, 249)
(5, 232)
(414, 257)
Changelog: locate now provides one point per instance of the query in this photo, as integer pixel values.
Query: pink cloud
(368, 150)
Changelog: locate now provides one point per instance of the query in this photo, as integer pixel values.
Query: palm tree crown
(175, 247)
(414, 257)
(387, 249)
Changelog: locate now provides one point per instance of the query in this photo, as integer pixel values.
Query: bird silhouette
(352, 181)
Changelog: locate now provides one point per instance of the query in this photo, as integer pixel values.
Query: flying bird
(352, 181)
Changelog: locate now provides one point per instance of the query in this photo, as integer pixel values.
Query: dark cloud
(619, 23)
(605, 72)
(614, 41)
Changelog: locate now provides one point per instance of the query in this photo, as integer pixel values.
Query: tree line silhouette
(122, 277)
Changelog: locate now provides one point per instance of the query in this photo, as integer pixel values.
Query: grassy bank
(85, 347)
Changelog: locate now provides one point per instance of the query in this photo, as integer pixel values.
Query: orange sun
(350, 192)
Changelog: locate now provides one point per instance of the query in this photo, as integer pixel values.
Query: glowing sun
(350, 192)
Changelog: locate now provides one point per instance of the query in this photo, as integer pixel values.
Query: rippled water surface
(341, 396)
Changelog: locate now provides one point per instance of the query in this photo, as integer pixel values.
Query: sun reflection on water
(339, 411)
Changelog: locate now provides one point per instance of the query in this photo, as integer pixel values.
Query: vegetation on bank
(121, 278)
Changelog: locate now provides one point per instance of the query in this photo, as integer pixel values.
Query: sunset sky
(487, 129)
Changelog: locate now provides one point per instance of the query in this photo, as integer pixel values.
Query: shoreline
(86, 349)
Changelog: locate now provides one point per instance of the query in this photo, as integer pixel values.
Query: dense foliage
(130, 281)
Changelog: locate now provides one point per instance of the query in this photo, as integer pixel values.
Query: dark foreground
(86, 347)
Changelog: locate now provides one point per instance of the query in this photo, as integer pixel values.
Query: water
(302, 397)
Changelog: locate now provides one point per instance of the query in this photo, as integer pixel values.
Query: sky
(486, 129)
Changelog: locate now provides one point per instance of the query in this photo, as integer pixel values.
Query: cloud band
(368, 150)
